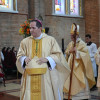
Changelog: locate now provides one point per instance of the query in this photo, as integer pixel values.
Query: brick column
(31, 9)
(36, 8)
(92, 19)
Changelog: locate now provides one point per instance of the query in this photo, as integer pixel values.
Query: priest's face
(87, 39)
(34, 30)
(72, 37)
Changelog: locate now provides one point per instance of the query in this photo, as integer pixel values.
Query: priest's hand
(27, 60)
(73, 50)
(42, 60)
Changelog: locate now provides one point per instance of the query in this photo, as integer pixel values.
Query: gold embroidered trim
(31, 71)
(35, 87)
(36, 48)
(35, 84)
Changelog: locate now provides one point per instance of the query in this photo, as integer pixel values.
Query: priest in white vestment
(47, 53)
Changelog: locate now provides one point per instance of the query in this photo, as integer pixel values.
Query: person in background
(46, 49)
(8, 58)
(14, 50)
(13, 57)
(97, 58)
(3, 52)
(92, 48)
(82, 76)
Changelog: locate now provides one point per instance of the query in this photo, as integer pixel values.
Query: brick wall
(60, 25)
(92, 19)
(60, 28)
(10, 24)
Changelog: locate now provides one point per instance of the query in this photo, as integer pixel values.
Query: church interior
(57, 17)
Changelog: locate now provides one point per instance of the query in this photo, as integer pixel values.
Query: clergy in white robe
(49, 53)
(92, 48)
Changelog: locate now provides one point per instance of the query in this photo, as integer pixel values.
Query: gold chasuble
(38, 82)
(34, 73)
(82, 68)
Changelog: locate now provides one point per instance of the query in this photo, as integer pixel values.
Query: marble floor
(12, 91)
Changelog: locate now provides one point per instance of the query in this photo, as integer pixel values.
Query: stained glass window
(59, 6)
(8, 5)
(74, 7)
(4, 3)
(68, 7)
